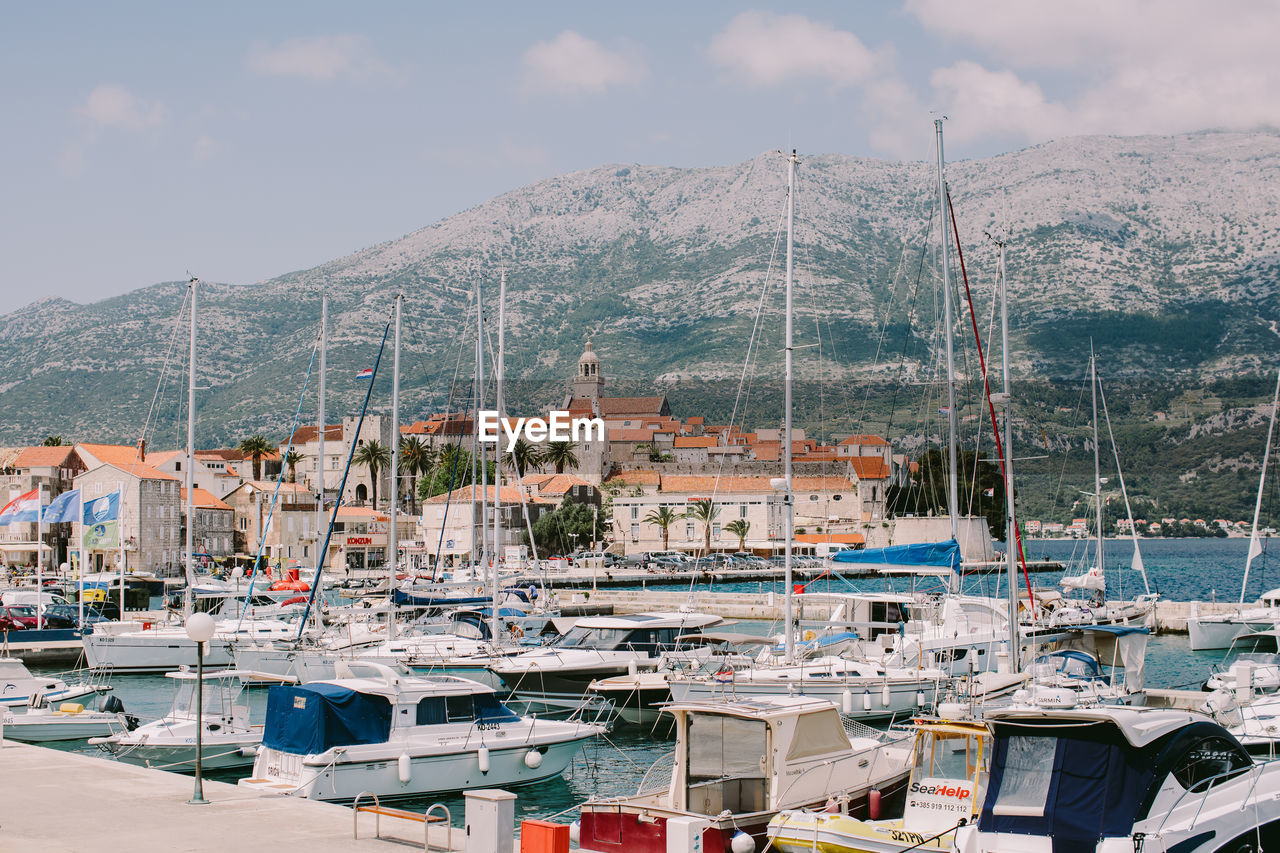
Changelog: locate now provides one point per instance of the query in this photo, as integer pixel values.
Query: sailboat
(1217, 632)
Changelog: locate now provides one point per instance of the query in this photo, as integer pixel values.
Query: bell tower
(588, 382)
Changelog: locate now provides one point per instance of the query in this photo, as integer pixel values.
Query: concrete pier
(63, 802)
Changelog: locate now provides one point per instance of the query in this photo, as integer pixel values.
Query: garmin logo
(559, 426)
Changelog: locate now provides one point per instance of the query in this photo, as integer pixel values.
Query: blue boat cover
(308, 719)
(926, 554)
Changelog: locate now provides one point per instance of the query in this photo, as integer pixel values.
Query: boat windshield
(727, 757)
(950, 755)
(603, 639)
(218, 700)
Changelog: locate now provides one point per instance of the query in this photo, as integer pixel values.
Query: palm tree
(256, 447)
(53, 441)
(663, 517)
(706, 512)
(561, 455)
(375, 456)
(523, 457)
(416, 458)
(292, 458)
(739, 527)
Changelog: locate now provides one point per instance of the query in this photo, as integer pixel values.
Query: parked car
(68, 615)
(17, 617)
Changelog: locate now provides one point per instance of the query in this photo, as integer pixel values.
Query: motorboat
(1119, 778)
(596, 647)
(18, 686)
(381, 730)
(738, 763)
(1261, 651)
(228, 737)
(45, 723)
(147, 647)
(948, 781)
(1087, 666)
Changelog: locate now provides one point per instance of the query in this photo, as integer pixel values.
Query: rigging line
(1062, 474)
(911, 310)
(164, 367)
(1123, 491)
(986, 385)
(448, 413)
(275, 495)
(342, 488)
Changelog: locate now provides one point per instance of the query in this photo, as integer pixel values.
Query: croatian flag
(22, 508)
(944, 410)
(367, 373)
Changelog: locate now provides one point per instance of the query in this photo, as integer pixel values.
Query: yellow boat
(946, 789)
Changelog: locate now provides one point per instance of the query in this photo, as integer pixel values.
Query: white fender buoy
(846, 701)
(406, 771)
(884, 696)
(866, 700)
(919, 698)
(533, 759)
(742, 843)
(575, 831)
(632, 669)
(483, 757)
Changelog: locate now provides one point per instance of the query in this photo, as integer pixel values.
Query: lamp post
(200, 630)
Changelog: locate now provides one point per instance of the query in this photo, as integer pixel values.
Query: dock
(65, 802)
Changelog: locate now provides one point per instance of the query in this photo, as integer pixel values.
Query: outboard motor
(111, 704)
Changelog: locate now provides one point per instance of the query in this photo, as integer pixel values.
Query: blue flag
(65, 507)
(105, 508)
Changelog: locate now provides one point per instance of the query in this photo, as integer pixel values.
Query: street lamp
(200, 630)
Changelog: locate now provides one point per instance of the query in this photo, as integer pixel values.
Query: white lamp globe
(200, 627)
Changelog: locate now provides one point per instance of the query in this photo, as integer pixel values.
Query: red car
(17, 617)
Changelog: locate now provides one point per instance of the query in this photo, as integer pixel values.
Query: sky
(240, 141)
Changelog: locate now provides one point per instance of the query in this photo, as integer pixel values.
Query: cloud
(319, 58)
(1123, 66)
(112, 106)
(570, 64)
(766, 49)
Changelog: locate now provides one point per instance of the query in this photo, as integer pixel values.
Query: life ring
(516, 632)
(809, 636)
(479, 590)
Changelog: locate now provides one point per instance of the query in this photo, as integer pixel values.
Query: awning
(22, 547)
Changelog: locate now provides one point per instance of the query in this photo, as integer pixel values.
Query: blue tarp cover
(308, 719)
(928, 554)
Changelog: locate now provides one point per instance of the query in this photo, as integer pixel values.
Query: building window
(177, 466)
(715, 530)
(742, 510)
(635, 533)
(689, 532)
(635, 512)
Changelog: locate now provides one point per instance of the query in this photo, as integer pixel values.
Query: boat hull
(835, 833)
(52, 731)
(139, 653)
(180, 757)
(860, 700)
(1208, 634)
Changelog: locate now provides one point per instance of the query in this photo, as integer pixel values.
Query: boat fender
(919, 698)
(742, 843)
(846, 701)
(866, 700)
(403, 765)
(632, 669)
(482, 756)
(575, 831)
(884, 696)
(873, 804)
(533, 759)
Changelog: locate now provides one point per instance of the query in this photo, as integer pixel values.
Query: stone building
(150, 517)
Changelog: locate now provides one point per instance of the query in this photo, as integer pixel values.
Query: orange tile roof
(305, 434)
(695, 441)
(510, 496)
(767, 451)
(362, 512)
(833, 538)
(869, 467)
(111, 454)
(557, 484)
(637, 477)
(630, 435)
(43, 457)
(631, 405)
(142, 472)
(818, 484)
(696, 421)
(204, 499)
(865, 439)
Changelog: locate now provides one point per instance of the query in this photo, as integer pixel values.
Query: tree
(663, 517)
(981, 490)
(556, 532)
(256, 447)
(561, 455)
(416, 457)
(523, 457)
(375, 456)
(292, 458)
(53, 441)
(452, 470)
(705, 511)
(739, 527)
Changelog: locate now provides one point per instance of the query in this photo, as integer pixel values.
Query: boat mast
(1255, 546)
(320, 431)
(1011, 522)
(484, 474)
(953, 483)
(393, 543)
(191, 457)
(1097, 469)
(789, 507)
(497, 453)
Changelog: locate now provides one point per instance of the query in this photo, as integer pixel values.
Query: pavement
(53, 801)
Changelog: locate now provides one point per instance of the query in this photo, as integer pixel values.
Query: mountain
(1165, 251)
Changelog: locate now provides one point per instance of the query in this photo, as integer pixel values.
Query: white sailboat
(1217, 632)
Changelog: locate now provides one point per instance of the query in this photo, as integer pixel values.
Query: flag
(65, 507)
(367, 373)
(991, 493)
(945, 410)
(25, 507)
(101, 522)
(105, 508)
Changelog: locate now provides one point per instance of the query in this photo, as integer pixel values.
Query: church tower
(588, 382)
